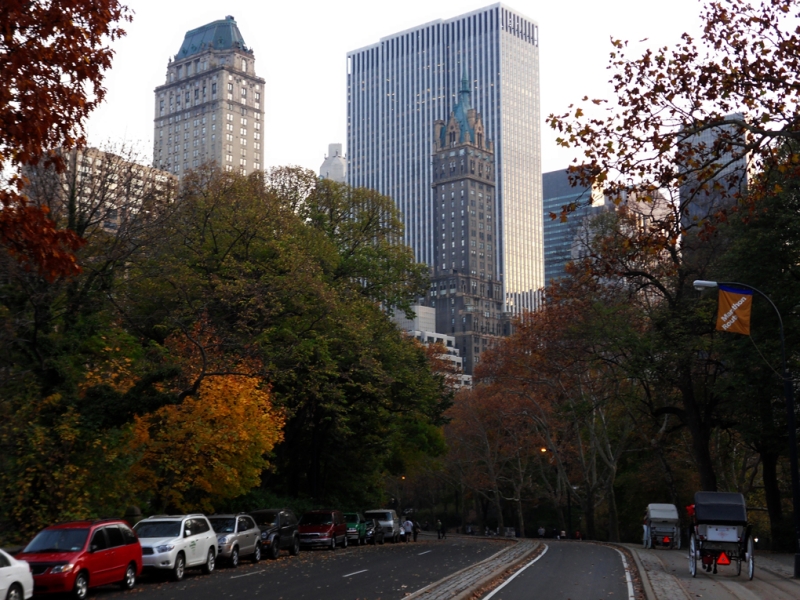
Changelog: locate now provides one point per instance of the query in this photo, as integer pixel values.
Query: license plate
(717, 533)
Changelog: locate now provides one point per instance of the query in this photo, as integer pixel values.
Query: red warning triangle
(723, 559)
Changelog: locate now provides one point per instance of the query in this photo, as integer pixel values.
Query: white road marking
(426, 552)
(356, 573)
(248, 574)
(631, 595)
(510, 579)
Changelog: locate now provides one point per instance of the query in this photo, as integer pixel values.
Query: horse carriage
(662, 526)
(720, 533)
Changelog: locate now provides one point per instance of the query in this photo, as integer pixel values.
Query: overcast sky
(300, 49)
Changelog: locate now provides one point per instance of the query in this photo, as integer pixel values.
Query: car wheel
(383, 539)
(234, 557)
(257, 553)
(14, 592)
(295, 549)
(275, 549)
(179, 570)
(344, 543)
(81, 588)
(333, 543)
(208, 568)
(130, 578)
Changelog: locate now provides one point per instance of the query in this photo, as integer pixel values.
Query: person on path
(438, 529)
(408, 527)
(443, 530)
(541, 531)
(416, 530)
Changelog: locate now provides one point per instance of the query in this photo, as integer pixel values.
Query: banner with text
(733, 313)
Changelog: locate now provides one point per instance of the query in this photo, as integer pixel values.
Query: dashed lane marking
(356, 573)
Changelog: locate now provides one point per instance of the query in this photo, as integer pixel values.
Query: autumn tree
(52, 59)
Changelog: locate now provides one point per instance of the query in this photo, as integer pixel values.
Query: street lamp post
(700, 284)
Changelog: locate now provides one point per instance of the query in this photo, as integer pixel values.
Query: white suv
(175, 542)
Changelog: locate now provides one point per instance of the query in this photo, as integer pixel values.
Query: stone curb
(459, 586)
(646, 585)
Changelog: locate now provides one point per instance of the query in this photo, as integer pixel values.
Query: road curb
(643, 577)
(457, 587)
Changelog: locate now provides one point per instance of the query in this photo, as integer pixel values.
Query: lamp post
(701, 284)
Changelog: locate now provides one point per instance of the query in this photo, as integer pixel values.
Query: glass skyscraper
(400, 86)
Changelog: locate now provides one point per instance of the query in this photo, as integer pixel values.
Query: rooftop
(218, 35)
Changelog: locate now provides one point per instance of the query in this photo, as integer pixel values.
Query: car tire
(333, 543)
(344, 542)
(81, 588)
(179, 570)
(234, 559)
(295, 549)
(130, 578)
(210, 563)
(15, 592)
(256, 553)
(274, 549)
(383, 540)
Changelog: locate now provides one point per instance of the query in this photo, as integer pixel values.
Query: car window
(381, 515)
(266, 517)
(99, 541)
(200, 526)
(223, 524)
(316, 519)
(4, 562)
(244, 524)
(58, 540)
(114, 536)
(289, 517)
(158, 529)
(127, 534)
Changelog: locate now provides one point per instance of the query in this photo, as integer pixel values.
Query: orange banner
(733, 312)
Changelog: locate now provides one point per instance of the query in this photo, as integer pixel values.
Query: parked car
(278, 530)
(175, 542)
(356, 528)
(73, 557)
(16, 580)
(237, 536)
(388, 520)
(323, 528)
(374, 531)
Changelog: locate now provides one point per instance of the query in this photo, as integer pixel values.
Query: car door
(119, 558)
(6, 573)
(206, 538)
(190, 542)
(247, 535)
(99, 561)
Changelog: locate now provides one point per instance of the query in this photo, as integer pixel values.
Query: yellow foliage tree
(212, 447)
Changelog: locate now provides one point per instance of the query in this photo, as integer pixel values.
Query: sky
(301, 47)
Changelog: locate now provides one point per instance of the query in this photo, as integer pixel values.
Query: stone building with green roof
(209, 109)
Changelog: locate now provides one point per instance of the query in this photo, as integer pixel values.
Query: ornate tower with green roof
(466, 289)
(210, 106)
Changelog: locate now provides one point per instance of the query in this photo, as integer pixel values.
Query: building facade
(334, 167)
(209, 109)
(465, 287)
(400, 86)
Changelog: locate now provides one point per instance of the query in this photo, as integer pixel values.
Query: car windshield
(267, 517)
(223, 525)
(316, 519)
(158, 529)
(58, 540)
(381, 516)
(351, 517)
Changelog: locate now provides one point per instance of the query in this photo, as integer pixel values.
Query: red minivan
(72, 557)
(322, 528)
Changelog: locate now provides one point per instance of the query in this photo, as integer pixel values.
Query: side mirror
(93, 548)
(187, 533)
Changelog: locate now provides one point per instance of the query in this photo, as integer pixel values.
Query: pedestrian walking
(416, 529)
(541, 531)
(438, 529)
(408, 527)
(443, 531)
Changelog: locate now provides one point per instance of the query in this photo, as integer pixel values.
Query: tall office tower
(334, 167)
(465, 288)
(209, 108)
(559, 236)
(398, 87)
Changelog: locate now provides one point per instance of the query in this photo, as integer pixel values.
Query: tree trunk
(772, 492)
(701, 435)
(589, 516)
(613, 516)
(520, 519)
(501, 529)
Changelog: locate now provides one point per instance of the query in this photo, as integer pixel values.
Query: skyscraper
(400, 86)
(209, 108)
(334, 167)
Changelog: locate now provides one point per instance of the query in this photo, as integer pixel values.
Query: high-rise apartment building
(334, 167)
(400, 86)
(210, 107)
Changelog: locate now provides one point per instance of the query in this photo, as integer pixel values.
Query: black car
(374, 532)
(278, 531)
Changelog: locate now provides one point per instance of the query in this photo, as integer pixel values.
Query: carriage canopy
(720, 507)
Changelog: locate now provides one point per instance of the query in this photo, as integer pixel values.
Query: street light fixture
(701, 284)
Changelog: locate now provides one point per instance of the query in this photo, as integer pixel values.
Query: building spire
(464, 94)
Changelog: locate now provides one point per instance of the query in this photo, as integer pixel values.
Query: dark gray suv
(278, 531)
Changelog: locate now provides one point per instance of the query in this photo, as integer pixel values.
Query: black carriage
(720, 533)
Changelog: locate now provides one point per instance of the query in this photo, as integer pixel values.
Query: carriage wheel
(692, 556)
(645, 536)
(751, 561)
(738, 567)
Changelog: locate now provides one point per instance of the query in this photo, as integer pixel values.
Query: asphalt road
(569, 571)
(391, 571)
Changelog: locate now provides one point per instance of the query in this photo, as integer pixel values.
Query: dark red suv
(322, 528)
(72, 557)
